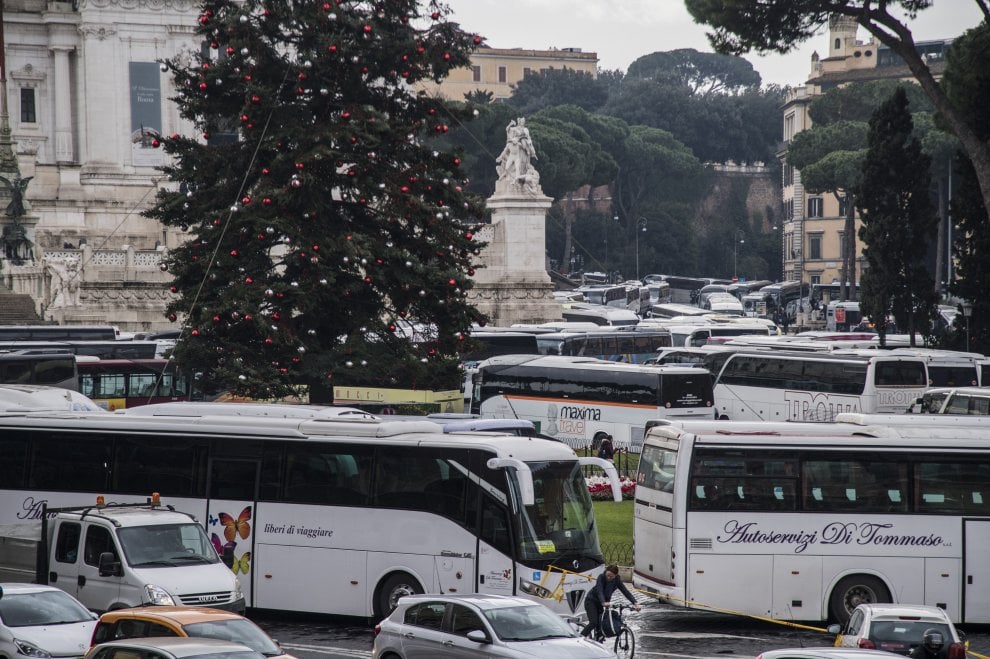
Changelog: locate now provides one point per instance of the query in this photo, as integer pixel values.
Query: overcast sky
(622, 30)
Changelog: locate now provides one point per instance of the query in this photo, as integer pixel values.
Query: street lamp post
(640, 226)
(736, 242)
(967, 311)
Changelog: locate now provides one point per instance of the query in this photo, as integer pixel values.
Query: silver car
(432, 626)
(826, 653)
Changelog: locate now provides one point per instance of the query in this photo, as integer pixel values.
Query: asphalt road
(661, 631)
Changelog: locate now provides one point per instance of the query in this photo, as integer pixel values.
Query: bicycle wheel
(625, 644)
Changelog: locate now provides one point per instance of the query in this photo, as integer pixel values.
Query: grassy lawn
(615, 521)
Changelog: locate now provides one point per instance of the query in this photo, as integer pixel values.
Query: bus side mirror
(109, 565)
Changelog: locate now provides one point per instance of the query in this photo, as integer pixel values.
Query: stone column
(64, 151)
(105, 130)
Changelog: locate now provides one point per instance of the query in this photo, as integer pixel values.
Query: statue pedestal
(512, 284)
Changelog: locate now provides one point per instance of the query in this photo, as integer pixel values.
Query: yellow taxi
(193, 621)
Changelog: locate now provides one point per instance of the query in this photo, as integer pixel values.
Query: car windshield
(527, 623)
(166, 545)
(561, 524)
(50, 607)
(902, 635)
(237, 630)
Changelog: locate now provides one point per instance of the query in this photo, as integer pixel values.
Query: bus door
(976, 571)
(496, 567)
(230, 516)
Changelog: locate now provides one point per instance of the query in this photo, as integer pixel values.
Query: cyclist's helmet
(932, 640)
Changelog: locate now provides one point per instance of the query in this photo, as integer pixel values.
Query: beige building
(497, 70)
(814, 223)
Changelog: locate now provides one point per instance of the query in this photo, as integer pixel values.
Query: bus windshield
(561, 524)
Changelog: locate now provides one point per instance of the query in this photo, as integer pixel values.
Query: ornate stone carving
(100, 32)
(152, 5)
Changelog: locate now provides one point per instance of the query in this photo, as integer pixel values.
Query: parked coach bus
(336, 516)
(804, 524)
(777, 385)
(580, 400)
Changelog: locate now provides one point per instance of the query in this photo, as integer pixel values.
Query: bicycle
(625, 640)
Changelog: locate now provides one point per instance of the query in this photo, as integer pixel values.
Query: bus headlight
(157, 595)
(534, 589)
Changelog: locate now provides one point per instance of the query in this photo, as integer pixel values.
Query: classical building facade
(813, 228)
(497, 70)
(87, 99)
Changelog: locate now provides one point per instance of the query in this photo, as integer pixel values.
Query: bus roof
(554, 361)
(24, 398)
(273, 410)
(834, 436)
(926, 420)
(347, 428)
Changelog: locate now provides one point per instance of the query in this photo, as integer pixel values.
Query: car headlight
(534, 589)
(238, 591)
(30, 650)
(157, 595)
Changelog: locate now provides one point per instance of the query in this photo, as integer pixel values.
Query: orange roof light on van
(100, 501)
(156, 499)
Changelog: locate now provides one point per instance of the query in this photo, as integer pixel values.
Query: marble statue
(516, 173)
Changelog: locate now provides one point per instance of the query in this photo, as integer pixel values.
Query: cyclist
(599, 599)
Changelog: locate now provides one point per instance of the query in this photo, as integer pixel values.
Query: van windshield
(167, 545)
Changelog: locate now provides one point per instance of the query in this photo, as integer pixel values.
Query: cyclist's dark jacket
(604, 589)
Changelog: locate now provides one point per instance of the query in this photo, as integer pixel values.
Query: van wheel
(396, 586)
(852, 591)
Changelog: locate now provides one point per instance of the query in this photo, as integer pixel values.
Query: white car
(897, 628)
(826, 653)
(463, 626)
(43, 622)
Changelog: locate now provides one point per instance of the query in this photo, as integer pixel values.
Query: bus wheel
(852, 591)
(397, 585)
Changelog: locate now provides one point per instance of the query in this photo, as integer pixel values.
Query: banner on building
(146, 114)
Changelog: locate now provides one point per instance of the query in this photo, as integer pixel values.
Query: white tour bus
(579, 400)
(804, 525)
(333, 514)
(776, 385)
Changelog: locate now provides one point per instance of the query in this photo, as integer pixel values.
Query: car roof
(826, 653)
(12, 588)
(932, 613)
(181, 615)
(178, 646)
(481, 601)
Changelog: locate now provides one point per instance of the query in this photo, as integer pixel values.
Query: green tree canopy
(541, 89)
(858, 101)
(703, 74)
(741, 26)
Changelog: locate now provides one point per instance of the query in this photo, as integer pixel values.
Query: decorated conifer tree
(328, 242)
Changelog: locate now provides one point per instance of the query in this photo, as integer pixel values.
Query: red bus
(116, 384)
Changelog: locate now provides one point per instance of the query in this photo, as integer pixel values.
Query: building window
(843, 204)
(789, 127)
(502, 75)
(28, 112)
(526, 71)
(838, 44)
(814, 246)
(788, 175)
(815, 207)
(476, 73)
(816, 279)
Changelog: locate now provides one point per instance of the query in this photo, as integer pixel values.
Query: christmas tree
(329, 242)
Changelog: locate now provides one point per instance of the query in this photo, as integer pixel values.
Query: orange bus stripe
(583, 402)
